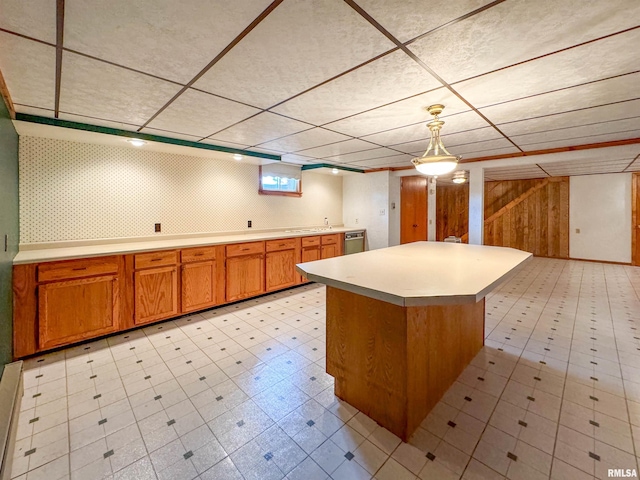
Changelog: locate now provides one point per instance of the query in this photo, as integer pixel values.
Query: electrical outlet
(326, 221)
(577, 230)
(382, 211)
(356, 221)
(248, 223)
(157, 227)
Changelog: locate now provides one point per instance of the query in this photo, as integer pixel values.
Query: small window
(280, 179)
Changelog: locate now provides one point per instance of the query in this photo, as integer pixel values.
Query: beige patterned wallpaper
(73, 191)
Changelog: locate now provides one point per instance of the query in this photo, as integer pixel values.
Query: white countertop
(84, 249)
(420, 273)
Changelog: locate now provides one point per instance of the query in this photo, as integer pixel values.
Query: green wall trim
(143, 136)
(313, 166)
(10, 226)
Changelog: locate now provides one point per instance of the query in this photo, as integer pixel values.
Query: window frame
(281, 193)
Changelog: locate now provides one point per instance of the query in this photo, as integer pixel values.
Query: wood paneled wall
(531, 215)
(452, 210)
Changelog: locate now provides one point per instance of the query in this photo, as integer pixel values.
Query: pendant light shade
(459, 177)
(436, 160)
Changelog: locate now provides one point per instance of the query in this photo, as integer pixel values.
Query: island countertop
(419, 273)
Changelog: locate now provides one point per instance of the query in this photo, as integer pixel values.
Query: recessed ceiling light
(335, 171)
(136, 142)
(237, 156)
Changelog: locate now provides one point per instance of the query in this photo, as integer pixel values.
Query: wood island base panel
(395, 363)
(59, 303)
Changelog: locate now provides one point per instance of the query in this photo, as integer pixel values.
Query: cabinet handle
(80, 268)
(156, 259)
(245, 249)
(282, 245)
(198, 254)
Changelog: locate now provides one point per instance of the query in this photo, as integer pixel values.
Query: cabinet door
(245, 276)
(75, 310)
(281, 270)
(310, 254)
(329, 251)
(198, 285)
(156, 294)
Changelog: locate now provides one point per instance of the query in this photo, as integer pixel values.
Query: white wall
(366, 204)
(600, 207)
(71, 191)
(394, 210)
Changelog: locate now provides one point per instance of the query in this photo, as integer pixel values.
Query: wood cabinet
(156, 288)
(199, 279)
(331, 246)
(280, 264)
(63, 302)
(77, 309)
(244, 271)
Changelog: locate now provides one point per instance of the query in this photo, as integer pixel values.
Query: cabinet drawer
(245, 249)
(156, 259)
(198, 254)
(330, 239)
(283, 244)
(310, 241)
(77, 268)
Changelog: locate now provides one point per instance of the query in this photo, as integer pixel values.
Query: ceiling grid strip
(59, 45)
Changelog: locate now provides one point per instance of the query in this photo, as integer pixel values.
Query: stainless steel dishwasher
(354, 242)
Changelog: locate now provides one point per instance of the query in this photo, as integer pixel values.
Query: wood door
(281, 270)
(156, 294)
(635, 218)
(413, 209)
(330, 251)
(245, 276)
(74, 310)
(198, 285)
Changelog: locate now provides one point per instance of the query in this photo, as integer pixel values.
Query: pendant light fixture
(436, 160)
(459, 177)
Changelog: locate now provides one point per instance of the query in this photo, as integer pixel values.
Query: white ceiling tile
(393, 160)
(299, 45)
(337, 149)
(479, 147)
(98, 121)
(403, 113)
(260, 129)
(39, 112)
(299, 159)
(413, 148)
(34, 18)
(523, 172)
(169, 134)
(459, 122)
(608, 137)
(391, 78)
(173, 40)
(587, 116)
(313, 137)
(406, 19)
(634, 167)
(516, 31)
(29, 70)
(202, 114)
(486, 153)
(561, 70)
(629, 128)
(101, 90)
(591, 95)
(363, 155)
(225, 144)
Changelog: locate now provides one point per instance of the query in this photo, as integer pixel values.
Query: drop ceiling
(341, 82)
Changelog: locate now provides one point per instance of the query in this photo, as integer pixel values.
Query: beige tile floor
(241, 392)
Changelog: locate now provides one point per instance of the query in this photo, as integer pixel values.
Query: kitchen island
(403, 322)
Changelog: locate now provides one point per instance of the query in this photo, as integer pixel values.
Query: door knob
(414, 225)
